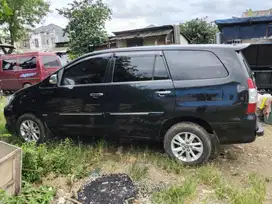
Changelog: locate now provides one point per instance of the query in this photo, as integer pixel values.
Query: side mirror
(53, 79)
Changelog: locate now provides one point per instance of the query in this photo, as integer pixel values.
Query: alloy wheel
(187, 147)
(30, 131)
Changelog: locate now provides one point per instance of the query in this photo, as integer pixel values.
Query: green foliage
(199, 31)
(30, 194)
(86, 24)
(5, 10)
(63, 158)
(25, 14)
(176, 194)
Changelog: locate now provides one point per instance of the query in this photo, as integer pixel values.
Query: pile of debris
(109, 189)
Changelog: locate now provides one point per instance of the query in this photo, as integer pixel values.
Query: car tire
(30, 128)
(188, 143)
(26, 85)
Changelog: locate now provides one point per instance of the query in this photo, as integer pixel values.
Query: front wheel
(188, 143)
(30, 128)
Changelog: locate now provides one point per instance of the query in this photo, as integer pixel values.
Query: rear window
(192, 65)
(27, 62)
(245, 63)
(50, 61)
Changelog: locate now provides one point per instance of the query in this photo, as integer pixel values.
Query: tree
(86, 24)
(25, 14)
(199, 31)
(4, 9)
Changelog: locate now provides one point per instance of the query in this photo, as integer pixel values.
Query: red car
(23, 70)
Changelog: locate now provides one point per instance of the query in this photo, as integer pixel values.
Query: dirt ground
(240, 160)
(235, 162)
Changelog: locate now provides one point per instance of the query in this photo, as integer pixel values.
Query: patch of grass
(138, 171)
(59, 158)
(167, 164)
(176, 194)
(29, 194)
(253, 194)
(209, 175)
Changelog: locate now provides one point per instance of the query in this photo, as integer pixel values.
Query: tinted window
(86, 72)
(50, 61)
(9, 64)
(160, 71)
(133, 67)
(27, 62)
(188, 65)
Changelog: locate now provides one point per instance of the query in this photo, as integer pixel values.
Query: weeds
(138, 171)
(63, 158)
(29, 194)
(253, 194)
(176, 194)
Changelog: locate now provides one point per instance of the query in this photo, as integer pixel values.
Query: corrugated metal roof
(142, 34)
(232, 21)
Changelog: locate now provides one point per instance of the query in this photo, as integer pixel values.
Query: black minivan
(190, 97)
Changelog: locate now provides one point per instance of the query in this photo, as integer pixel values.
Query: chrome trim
(80, 114)
(136, 113)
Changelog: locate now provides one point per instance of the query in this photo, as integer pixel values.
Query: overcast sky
(130, 14)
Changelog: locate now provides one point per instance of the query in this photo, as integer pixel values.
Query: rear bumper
(239, 131)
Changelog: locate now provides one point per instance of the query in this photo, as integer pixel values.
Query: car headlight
(9, 99)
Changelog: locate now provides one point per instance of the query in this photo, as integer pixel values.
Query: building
(43, 38)
(246, 30)
(250, 13)
(151, 35)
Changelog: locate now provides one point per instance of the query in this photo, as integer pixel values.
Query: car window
(189, 65)
(160, 71)
(9, 64)
(27, 62)
(50, 61)
(88, 71)
(133, 67)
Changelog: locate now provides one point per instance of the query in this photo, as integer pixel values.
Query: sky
(133, 14)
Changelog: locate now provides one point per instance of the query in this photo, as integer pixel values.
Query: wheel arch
(170, 122)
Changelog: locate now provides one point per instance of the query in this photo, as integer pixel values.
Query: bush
(29, 194)
(63, 158)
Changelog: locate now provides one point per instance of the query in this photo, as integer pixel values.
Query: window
(36, 42)
(160, 72)
(9, 64)
(189, 65)
(27, 62)
(133, 67)
(87, 72)
(50, 61)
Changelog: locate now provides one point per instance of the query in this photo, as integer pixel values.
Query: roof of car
(27, 54)
(170, 47)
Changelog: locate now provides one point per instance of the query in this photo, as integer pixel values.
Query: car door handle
(96, 95)
(163, 93)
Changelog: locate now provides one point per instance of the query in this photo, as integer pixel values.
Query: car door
(140, 96)
(27, 72)
(77, 105)
(49, 65)
(8, 75)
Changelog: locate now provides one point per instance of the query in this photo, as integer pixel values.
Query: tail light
(252, 96)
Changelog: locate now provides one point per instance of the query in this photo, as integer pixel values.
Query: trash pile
(109, 189)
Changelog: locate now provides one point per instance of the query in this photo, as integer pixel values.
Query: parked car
(190, 97)
(23, 70)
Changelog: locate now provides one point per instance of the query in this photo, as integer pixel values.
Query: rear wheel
(188, 143)
(26, 85)
(30, 128)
